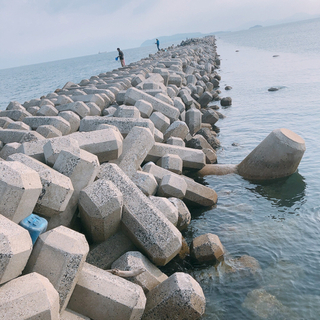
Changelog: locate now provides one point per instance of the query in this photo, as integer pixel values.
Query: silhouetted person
(121, 56)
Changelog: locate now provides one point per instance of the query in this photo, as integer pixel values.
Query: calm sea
(278, 223)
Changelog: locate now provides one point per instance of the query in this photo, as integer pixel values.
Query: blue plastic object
(35, 225)
(117, 58)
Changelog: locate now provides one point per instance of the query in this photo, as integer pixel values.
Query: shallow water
(277, 223)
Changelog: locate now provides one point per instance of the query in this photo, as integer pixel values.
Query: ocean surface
(277, 223)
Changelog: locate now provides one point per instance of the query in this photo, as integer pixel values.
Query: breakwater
(106, 163)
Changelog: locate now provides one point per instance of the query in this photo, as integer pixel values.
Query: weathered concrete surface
(192, 158)
(8, 149)
(106, 144)
(207, 247)
(49, 131)
(179, 297)
(72, 118)
(20, 187)
(82, 170)
(134, 260)
(58, 122)
(78, 107)
(106, 252)
(54, 146)
(100, 206)
(167, 208)
(96, 98)
(14, 135)
(160, 121)
(172, 185)
(146, 182)
(171, 162)
(33, 149)
(64, 251)
(148, 228)
(31, 296)
(177, 129)
(135, 148)
(124, 125)
(184, 215)
(196, 194)
(15, 249)
(277, 156)
(218, 169)
(101, 295)
(56, 190)
(133, 95)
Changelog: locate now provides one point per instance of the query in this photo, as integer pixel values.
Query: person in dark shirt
(121, 57)
(158, 43)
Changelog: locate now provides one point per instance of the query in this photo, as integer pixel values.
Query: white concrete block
(31, 296)
(207, 247)
(184, 215)
(178, 297)
(49, 131)
(63, 251)
(58, 122)
(136, 146)
(106, 144)
(167, 208)
(53, 147)
(172, 186)
(133, 260)
(72, 118)
(15, 249)
(101, 295)
(146, 225)
(78, 107)
(20, 188)
(56, 188)
(47, 110)
(144, 107)
(100, 206)
(106, 252)
(146, 182)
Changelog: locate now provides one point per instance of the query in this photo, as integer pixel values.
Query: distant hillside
(173, 38)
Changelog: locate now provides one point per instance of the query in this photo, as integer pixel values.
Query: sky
(35, 31)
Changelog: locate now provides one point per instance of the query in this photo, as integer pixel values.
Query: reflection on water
(286, 192)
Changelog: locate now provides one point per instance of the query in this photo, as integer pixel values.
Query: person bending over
(121, 57)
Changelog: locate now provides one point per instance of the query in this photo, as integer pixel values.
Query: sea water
(277, 223)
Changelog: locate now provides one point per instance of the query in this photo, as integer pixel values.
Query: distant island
(256, 26)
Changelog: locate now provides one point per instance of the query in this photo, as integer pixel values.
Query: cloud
(41, 30)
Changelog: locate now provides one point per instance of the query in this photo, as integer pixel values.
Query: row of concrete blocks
(58, 282)
(139, 215)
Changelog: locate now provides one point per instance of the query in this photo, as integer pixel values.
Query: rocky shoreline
(104, 168)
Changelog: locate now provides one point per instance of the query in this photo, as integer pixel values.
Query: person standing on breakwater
(158, 43)
(121, 56)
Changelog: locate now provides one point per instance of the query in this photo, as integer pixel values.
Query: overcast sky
(33, 31)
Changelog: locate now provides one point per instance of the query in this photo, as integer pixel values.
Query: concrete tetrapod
(31, 296)
(15, 249)
(277, 156)
(64, 251)
(178, 297)
(145, 224)
(102, 295)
